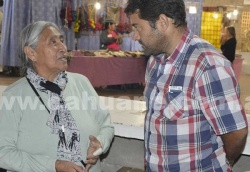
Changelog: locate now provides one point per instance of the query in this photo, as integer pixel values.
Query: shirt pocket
(174, 108)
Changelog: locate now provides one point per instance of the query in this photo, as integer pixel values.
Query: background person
(66, 125)
(109, 38)
(228, 43)
(194, 119)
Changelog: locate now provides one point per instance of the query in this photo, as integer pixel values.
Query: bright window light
(229, 15)
(97, 5)
(215, 15)
(235, 12)
(192, 9)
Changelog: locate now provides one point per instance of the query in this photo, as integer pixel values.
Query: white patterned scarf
(60, 120)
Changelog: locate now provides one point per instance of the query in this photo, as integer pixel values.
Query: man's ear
(30, 53)
(163, 22)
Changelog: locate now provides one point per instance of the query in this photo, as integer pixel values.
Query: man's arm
(234, 143)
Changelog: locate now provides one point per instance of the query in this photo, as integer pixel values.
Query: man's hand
(67, 166)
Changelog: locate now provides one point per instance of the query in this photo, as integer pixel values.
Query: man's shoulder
(207, 53)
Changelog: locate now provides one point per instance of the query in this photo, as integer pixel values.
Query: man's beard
(147, 51)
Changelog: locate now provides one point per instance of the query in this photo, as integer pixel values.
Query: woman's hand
(118, 39)
(67, 166)
(223, 39)
(93, 146)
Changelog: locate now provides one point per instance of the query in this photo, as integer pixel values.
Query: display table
(110, 71)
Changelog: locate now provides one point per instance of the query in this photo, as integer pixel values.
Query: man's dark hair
(150, 10)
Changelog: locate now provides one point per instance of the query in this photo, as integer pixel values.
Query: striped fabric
(192, 97)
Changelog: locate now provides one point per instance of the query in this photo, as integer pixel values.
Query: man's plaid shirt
(192, 98)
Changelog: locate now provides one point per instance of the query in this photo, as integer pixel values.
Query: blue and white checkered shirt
(192, 99)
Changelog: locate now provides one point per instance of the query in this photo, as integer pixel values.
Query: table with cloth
(103, 71)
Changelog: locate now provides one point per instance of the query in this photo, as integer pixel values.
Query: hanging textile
(194, 20)
(19, 13)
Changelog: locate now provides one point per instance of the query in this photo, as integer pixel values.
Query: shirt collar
(179, 53)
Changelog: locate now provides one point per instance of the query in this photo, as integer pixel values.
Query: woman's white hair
(30, 36)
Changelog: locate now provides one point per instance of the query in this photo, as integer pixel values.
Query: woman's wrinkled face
(49, 54)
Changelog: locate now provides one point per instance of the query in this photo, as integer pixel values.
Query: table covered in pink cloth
(109, 71)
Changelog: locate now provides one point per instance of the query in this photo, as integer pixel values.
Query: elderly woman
(51, 120)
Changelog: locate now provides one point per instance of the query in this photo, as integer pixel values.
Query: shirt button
(157, 89)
